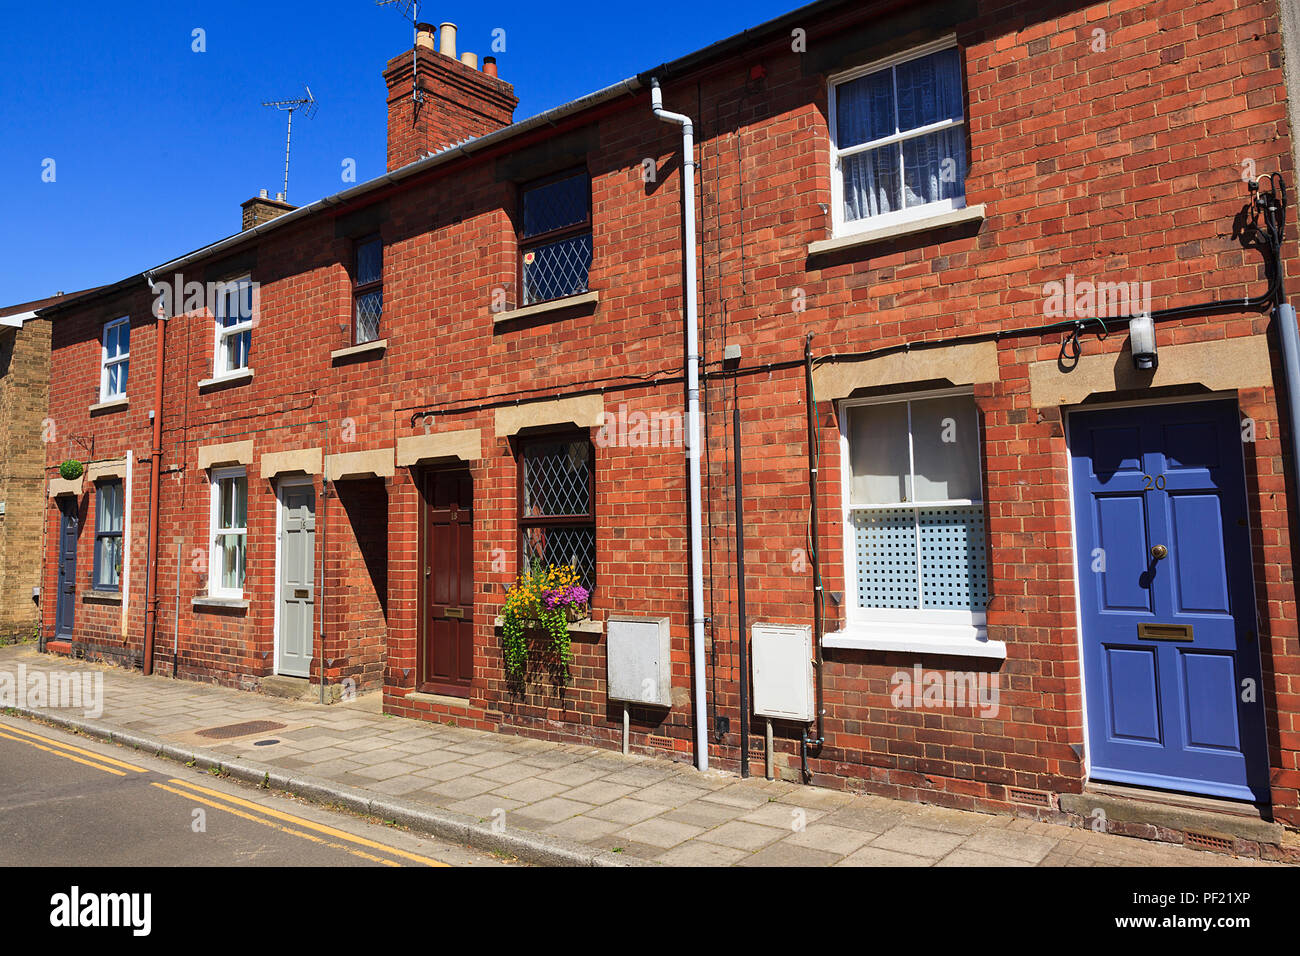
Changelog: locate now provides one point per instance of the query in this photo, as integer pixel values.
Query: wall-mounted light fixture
(1142, 341)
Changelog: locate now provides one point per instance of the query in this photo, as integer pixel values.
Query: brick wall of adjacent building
(1120, 162)
(24, 385)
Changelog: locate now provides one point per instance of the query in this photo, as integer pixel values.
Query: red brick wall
(1122, 165)
(76, 432)
(357, 580)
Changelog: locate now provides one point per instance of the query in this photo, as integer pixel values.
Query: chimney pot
(424, 36)
(457, 105)
(261, 193)
(447, 39)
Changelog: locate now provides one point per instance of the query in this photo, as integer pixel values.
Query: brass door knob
(1159, 552)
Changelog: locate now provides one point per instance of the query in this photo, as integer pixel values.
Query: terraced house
(906, 383)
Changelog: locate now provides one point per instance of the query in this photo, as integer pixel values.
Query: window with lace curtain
(898, 138)
(914, 516)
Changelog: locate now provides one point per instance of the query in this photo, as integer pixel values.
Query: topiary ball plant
(71, 469)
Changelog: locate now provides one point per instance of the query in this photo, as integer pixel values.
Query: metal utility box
(637, 656)
(783, 671)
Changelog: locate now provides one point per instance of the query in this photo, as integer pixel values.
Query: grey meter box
(638, 660)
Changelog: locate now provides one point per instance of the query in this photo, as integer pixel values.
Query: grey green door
(296, 579)
(66, 597)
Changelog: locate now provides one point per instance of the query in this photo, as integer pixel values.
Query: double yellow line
(98, 761)
(288, 823)
(296, 825)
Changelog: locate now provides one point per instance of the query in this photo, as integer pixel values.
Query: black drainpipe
(740, 590)
(815, 553)
(1273, 207)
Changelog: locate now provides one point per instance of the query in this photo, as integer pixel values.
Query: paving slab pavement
(571, 803)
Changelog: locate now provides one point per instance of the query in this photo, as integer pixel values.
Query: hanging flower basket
(542, 600)
(71, 470)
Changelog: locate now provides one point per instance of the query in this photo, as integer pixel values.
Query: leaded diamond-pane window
(369, 308)
(555, 237)
(557, 269)
(555, 205)
(368, 290)
(370, 262)
(557, 520)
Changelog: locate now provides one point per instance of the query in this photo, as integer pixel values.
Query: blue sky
(155, 145)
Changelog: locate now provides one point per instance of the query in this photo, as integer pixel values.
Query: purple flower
(574, 594)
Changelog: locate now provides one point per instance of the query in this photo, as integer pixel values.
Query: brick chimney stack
(260, 209)
(459, 100)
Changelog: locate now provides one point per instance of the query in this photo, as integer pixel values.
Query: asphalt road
(70, 801)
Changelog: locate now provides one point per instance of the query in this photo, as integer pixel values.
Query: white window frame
(922, 629)
(215, 588)
(105, 362)
(221, 333)
(841, 227)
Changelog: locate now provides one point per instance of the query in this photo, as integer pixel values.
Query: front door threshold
(1190, 801)
(442, 700)
(1193, 816)
(290, 688)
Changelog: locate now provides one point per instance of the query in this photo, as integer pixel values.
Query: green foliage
(527, 608)
(71, 469)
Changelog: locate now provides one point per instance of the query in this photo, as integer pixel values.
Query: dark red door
(449, 583)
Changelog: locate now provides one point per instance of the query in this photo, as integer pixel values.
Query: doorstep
(1203, 822)
(290, 688)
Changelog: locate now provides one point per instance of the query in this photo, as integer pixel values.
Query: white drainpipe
(692, 419)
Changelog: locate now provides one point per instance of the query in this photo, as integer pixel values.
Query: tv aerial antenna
(308, 106)
(410, 9)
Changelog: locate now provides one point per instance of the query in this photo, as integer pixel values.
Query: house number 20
(1158, 483)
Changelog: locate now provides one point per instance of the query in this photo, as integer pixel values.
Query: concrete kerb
(526, 845)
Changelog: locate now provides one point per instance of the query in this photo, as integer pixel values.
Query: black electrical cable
(1072, 349)
(1271, 237)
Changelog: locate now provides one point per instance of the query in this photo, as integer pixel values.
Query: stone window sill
(576, 627)
(542, 308)
(221, 381)
(378, 345)
(867, 237)
(938, 641)
(111, 405)
(96, 596)
(218, 602)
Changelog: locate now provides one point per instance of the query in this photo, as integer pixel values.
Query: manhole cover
(265, 743)
(241, 730)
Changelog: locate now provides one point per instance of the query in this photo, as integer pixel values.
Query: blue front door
(1170, 650)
